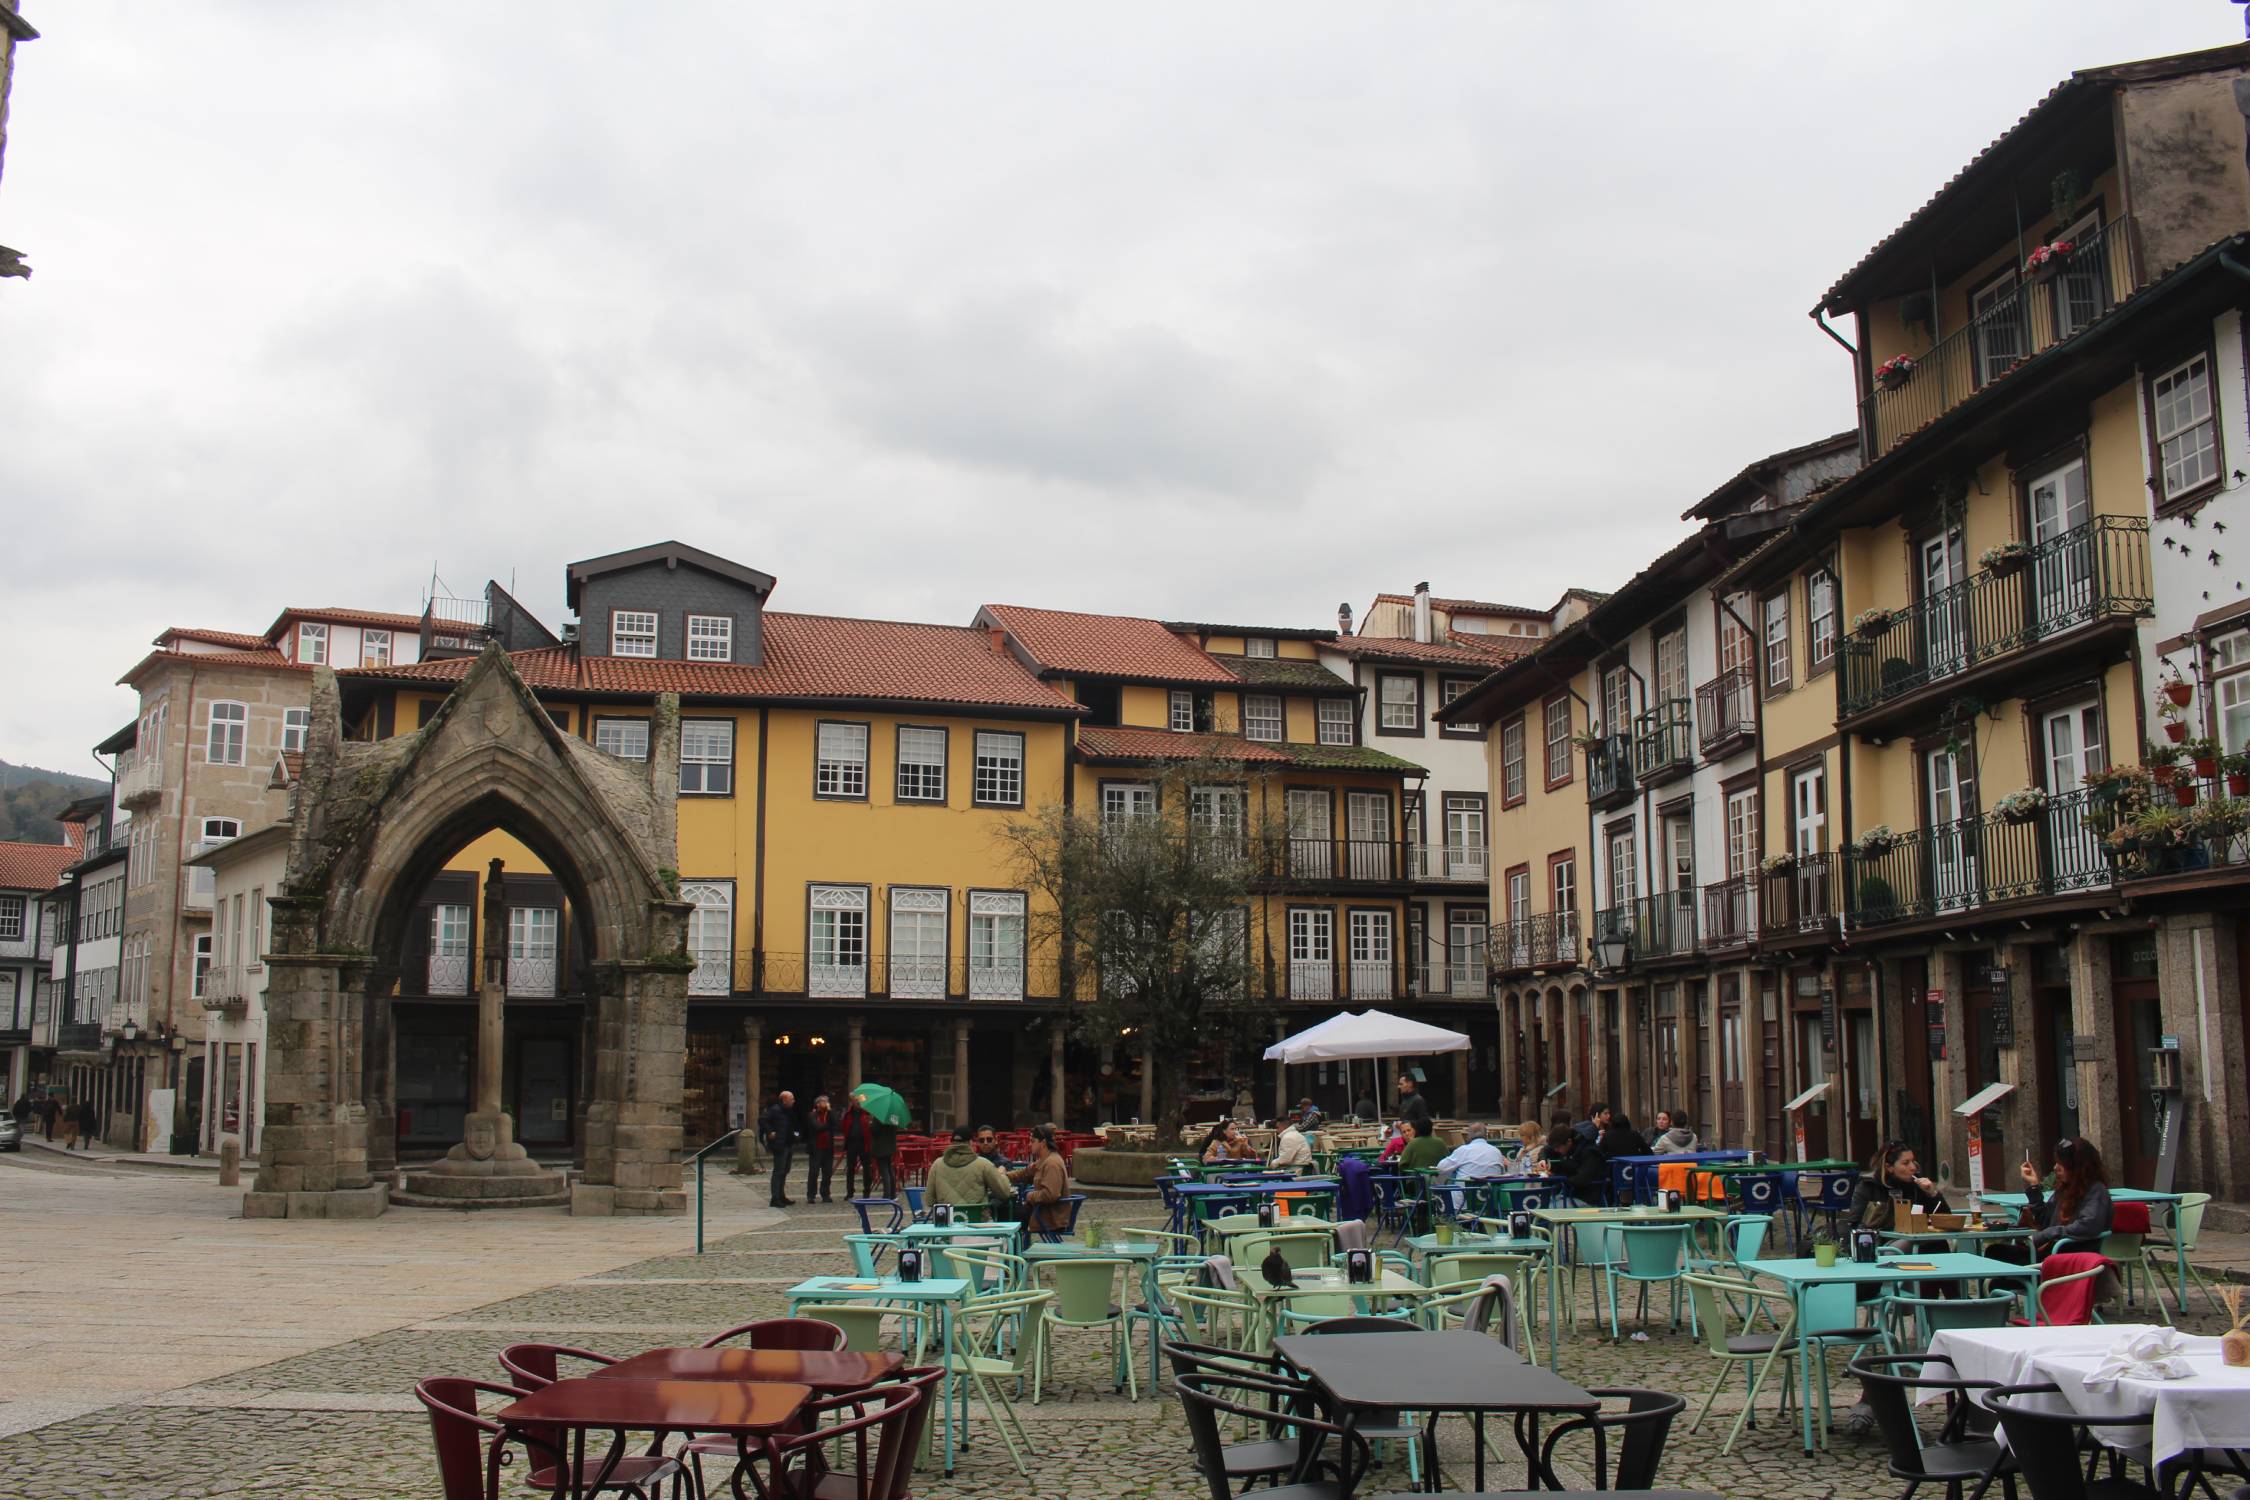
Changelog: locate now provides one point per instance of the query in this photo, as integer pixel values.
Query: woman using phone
(2078, 1216)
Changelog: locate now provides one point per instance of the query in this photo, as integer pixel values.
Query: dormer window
(1257, 645)
(1182, 717)
(632, 632)
(312, 644)
(374, 648)
(710, 637)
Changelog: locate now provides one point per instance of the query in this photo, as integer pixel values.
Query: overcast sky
(1215, 311)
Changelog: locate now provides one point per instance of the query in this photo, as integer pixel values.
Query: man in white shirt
(1293, 1151)
(1474, 1160)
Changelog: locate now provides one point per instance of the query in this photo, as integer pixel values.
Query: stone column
(1462, 1105)
(960, 1072)
(753, 1090)
(1148, 1084)
(1056, 1101)
(2095, 1026)
(855, 1033)
(1280, 1073)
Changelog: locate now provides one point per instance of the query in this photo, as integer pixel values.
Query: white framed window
(256, 957)
(1671, 667)
(11, 918)
(312, 643)
(1617, 701)
(1808, 810)
(228, 733)
(1624, 868)
(1556, 723)
(999, 769)
(1465, 931)
(1776, 625)
(1335, 721)
(2230, 688)
(1742, 832)
(1258, 645)
(706, 757)
(1820, 618)
(1312, 953)
(836, 942)
(8, 1016)
(918, 956)
(1519, 895)
(374, 648)
(449, 949)
(921, 763)
(219, 830)
(199, 975)
(1511, 760)
(1182, 716)
(710, 637)
(1399, 695)
(533, 932)
(1217, 813)
(1123, 801)
(840, 766)
(1371, 954)
(996, 945)
(1464, 835)
(1261, 717)
(2187, 430)
(626, 739)
(710, 935)
(632, 632)
(295, 722)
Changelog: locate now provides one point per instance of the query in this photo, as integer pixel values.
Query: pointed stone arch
(373, 822)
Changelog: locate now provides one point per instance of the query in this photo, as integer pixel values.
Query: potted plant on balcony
(2048, 261)
(2177, 688)
(2237, 768)
(2021, 807)
(1869, 623)
(2175, 724)
(2204, 751)
(2113, 792)
(1589, 737)
(1780, 864)
(1876, 841)
(1894, 372)
(2007, 558)
(2217, 824)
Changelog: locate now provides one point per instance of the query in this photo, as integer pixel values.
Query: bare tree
(1149, 914)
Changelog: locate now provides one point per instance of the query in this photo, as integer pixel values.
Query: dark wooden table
(1564, 1495)
(826, 1371)
(1450, 1371)
(560, 1416)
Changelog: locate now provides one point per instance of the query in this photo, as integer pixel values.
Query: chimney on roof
(1422, 613)
(1344, 618)
(999, 639)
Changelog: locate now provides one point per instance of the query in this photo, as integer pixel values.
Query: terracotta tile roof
(1125, 744)
(1482, 655)
(234, 638)
(381, 619)
(33, 867)
(1285, 672)
(1466, 606)
(1064, 641)
(823, 657)
(265, 656)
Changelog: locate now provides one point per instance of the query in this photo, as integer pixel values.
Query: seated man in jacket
(1473, 1160)
(1044, 1211)
(1293, 1151)
(965, 1179)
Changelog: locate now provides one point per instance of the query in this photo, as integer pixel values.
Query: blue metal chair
(1073, 1203)
(1762, 1193)
(897, 1221)
(1829, 1195)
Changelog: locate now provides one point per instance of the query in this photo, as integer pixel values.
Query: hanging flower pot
(2183, 792)
(2207, 767)
(2238, 783)
(2175, 730)
(2162, 774)
(2181, 693)
(1894, 372)
(2006, 559)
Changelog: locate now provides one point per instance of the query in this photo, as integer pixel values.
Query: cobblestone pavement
(340, 1420)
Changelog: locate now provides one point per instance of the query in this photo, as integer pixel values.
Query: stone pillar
(314, 1158)
(1462, 1104)
(961, 1073)
(1148, 1084)
(1057, 1101)
(2095, 1028)
(1281, 1074)
(855, 1033)
(2202, 999)
(754, 1089)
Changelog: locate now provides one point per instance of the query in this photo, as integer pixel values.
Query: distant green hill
(30, 798)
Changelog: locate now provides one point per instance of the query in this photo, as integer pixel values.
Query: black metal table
(1437, 1372)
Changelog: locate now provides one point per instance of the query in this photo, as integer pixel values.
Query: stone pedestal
(487, 1170)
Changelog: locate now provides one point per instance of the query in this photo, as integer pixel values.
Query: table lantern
(1519, 1225)
(1672, 1200)
(909, 1264)
(1265, 1214)
(941, 1215)
(1359, 1266)
(1863, 1246)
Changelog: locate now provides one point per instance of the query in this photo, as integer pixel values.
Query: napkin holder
(1266, 1214)
(1519, 1225)
(941, 1215)
(909, 1265)
(1672, 1200)
(1864, 1246)
(1359, 1266)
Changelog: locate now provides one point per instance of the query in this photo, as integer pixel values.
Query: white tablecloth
(2210, 1409)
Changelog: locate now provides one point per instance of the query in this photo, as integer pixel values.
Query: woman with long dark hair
(2078, 1216)
(1893, 1177)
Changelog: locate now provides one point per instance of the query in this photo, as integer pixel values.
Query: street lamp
(1609, 951)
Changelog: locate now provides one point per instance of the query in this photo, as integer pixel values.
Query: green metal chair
(1303, 1249)
(988, 1270)
(1729, 1340)
(1468, 1304)
(863, 1325)
(2157, 1250)
(1225, 1318)
(1473, 1265)
(979, 1356)
(1652, 1254)
(1087, 1294)
(1930, 1315)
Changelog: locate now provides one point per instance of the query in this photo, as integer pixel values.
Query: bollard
(230, 1161)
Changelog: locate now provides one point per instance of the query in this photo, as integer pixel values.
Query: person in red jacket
(857, 1132)
(820, 1153)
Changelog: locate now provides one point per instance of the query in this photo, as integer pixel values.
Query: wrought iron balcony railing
(2044, 310)
(1970, 863)
(1651, 927)
(1664, 742)
(1609, 771)
(1801, 900)
(1547, 939)
(2092, 572)
(1730, 911)
(1462, 862)
(1726, 711)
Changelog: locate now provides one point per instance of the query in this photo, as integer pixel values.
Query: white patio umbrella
(1371, 1034)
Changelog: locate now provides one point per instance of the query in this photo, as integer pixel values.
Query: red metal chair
(782, 1333)
(535, 1366)
(468, 1471)
(874, 1422)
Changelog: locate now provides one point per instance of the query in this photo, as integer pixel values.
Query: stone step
(526, 1185)
(409, 1199)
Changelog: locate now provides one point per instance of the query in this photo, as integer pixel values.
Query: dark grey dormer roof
(671, 555)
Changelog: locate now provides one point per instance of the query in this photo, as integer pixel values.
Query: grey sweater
(1673, 1142)
(2086, 1227)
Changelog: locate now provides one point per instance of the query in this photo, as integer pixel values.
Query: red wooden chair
(782, 1333)
(536, 1366)
(468, 1471)
(873, 1426)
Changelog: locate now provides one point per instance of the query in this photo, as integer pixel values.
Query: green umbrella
(881, 1101)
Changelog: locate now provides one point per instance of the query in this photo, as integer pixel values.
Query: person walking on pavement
(22, 1109)
(858, 1131)
(48, 1108)
(69, 1114)
(777, 1129)
(884, 1145)
(84, 1123)
(1411, 1105)
(820, 1153)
